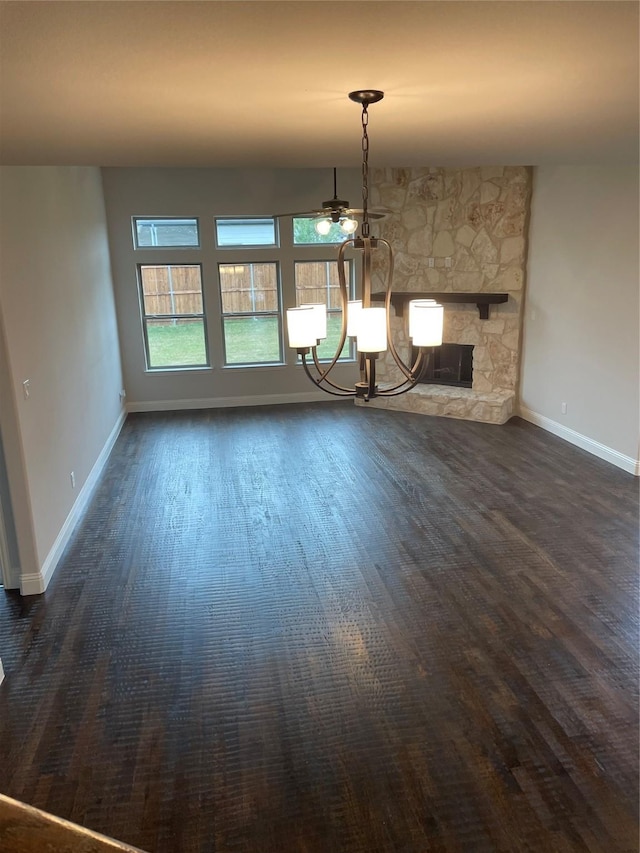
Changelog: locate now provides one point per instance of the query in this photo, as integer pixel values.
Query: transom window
(165, 232)
(246, 232)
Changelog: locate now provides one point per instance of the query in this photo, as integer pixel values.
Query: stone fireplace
(458, 235)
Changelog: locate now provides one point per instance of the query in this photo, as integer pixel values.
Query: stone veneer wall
(472, 222)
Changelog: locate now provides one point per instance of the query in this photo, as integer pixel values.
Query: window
(317, 281)
(250, 297)
(245, 232)
(161, 233)
(173, 315)
(255, 275)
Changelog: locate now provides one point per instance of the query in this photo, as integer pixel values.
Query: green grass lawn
(247, 340)
(176, 345)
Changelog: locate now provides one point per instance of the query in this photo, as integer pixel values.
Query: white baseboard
(627, 463)
(36, 582)
(33, 583)
(232, 402)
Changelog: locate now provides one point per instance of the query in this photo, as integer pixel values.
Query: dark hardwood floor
(322, 628)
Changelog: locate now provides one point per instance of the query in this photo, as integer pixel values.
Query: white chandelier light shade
(302, 327)
(319, 319)
(323, 226)
(425, 322)
(372, 330)
(354, 307)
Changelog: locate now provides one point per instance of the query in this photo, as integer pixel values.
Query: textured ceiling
(265, 83)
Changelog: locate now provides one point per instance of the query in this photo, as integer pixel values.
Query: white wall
(58, 331)
(16, 474)
(206, 193)
(581, 316)
(9, 555)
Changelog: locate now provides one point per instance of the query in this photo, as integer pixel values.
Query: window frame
(241, 247)
(189, 247)
(208, 256)
(144, 317)
(278, 313)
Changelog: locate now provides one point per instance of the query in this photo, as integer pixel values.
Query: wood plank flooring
(322, 628)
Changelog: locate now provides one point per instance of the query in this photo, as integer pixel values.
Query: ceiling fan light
(348, 225)
(323, 226)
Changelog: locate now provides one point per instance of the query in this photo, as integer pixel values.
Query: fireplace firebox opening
(450, 364)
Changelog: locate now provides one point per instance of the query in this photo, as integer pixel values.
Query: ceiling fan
(333, 211)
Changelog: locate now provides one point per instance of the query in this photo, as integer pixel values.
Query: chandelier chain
(365, 171)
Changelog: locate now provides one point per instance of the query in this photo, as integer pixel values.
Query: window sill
(257, 365)
(328, 361)
(152, 371)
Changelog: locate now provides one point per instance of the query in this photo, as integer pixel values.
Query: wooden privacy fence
(248, 287)
(171, 290)
(317, 281)
(244, 288)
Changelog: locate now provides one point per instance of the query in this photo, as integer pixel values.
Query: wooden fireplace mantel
(481, 300)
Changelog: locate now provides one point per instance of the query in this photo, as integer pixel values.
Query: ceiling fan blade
(295, 213)
(373, 214)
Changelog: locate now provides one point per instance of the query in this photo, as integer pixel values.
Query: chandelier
(369, 325)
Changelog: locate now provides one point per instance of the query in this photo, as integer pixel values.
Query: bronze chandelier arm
(344, 298)
(417, 372)
(323, 374)
(318, 382)
(387, 304)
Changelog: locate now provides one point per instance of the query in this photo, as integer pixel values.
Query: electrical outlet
(431, 262)
(26, 388)
(563, 408)
(123, 395)
(448, 262)
(72, 477)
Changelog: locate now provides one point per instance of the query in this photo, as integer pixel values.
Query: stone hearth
(491, 407)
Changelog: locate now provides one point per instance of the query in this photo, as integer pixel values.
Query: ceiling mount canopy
(369, 326)
(366, 96)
